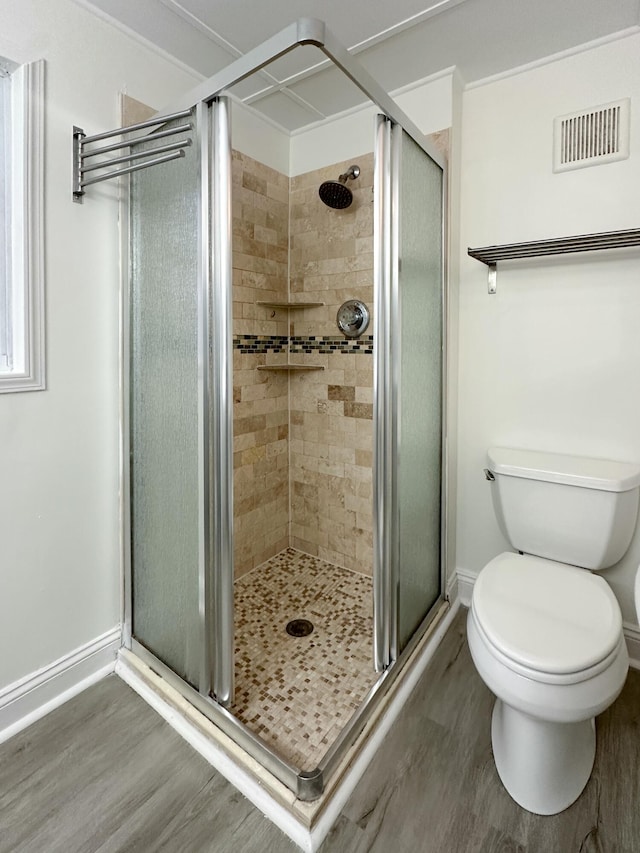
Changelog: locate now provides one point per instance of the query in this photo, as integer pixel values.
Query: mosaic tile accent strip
(297, 693)
(254, 344)
(331, 343)
(250, 344)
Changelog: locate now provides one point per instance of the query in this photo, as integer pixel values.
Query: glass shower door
(408, 246)
(419, 352)
(180, 409)
(164, 403)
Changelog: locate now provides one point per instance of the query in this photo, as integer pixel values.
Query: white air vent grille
(594, 136)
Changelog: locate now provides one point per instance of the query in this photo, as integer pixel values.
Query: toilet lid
(547, 616)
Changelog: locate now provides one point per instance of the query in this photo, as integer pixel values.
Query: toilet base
(544, 766)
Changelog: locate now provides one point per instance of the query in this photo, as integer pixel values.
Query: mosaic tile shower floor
(297, 693)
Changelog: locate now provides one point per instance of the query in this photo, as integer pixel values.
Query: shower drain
(299, 627)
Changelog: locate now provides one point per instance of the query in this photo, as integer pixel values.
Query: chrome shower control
(353, 318)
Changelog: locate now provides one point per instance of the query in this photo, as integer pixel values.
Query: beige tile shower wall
(261, 415)
(331, 426)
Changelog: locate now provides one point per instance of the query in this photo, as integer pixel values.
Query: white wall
(452, 328)
(59, 528)
(259, 138)
(552, 360)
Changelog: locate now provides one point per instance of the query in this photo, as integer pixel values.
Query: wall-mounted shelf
(291, 304)
(291, 367)
(490, 255)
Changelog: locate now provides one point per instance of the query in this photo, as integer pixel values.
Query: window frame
(25, 285)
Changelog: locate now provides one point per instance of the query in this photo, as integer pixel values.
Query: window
(21, 227)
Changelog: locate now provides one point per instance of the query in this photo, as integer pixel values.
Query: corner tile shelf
(291, 304)
(290, 367)
(490, 255)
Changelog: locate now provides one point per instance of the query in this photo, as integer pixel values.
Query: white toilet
(546, 635)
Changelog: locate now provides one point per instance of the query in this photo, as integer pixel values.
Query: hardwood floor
(105, 774)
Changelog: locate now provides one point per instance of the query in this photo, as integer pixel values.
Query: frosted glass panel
(164, 412)
(420, 386)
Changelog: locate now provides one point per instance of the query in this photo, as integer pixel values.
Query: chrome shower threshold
(304, 805)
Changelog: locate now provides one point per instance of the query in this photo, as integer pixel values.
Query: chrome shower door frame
(217, 198)
(215, 410)
(384, 480)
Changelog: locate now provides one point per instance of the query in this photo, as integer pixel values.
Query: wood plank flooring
(433, 786)
(105, 774)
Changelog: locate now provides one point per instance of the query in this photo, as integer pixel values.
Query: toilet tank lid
(603, 474)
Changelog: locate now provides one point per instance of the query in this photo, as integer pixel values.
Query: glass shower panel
(164, 393)
(419, 296)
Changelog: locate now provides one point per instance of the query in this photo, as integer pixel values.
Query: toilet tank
(567, 508)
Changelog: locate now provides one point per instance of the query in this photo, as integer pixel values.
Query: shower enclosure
(336, 447)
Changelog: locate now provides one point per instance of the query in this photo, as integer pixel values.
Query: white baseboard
(30, 698)
(466, 581)
(632, 636)
(452, 591)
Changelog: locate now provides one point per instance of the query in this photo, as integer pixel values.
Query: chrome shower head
(336, 194)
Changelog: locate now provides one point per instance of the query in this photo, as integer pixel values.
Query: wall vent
(591, 137)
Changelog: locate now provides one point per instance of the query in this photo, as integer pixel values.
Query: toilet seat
(549, 678)
(562, 639)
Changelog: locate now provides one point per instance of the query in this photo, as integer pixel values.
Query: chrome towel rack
(84, 167)
(490, 255)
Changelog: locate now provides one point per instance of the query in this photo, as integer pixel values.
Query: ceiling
(398, 41)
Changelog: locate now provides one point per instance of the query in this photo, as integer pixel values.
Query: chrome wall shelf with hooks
(84, 168)
(490, 255)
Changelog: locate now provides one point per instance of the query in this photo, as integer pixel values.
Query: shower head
(336, 194)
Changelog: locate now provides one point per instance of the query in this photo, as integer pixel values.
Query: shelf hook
(493, 277)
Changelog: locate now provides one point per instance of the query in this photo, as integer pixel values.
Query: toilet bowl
(544, 633)
(551, 676)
